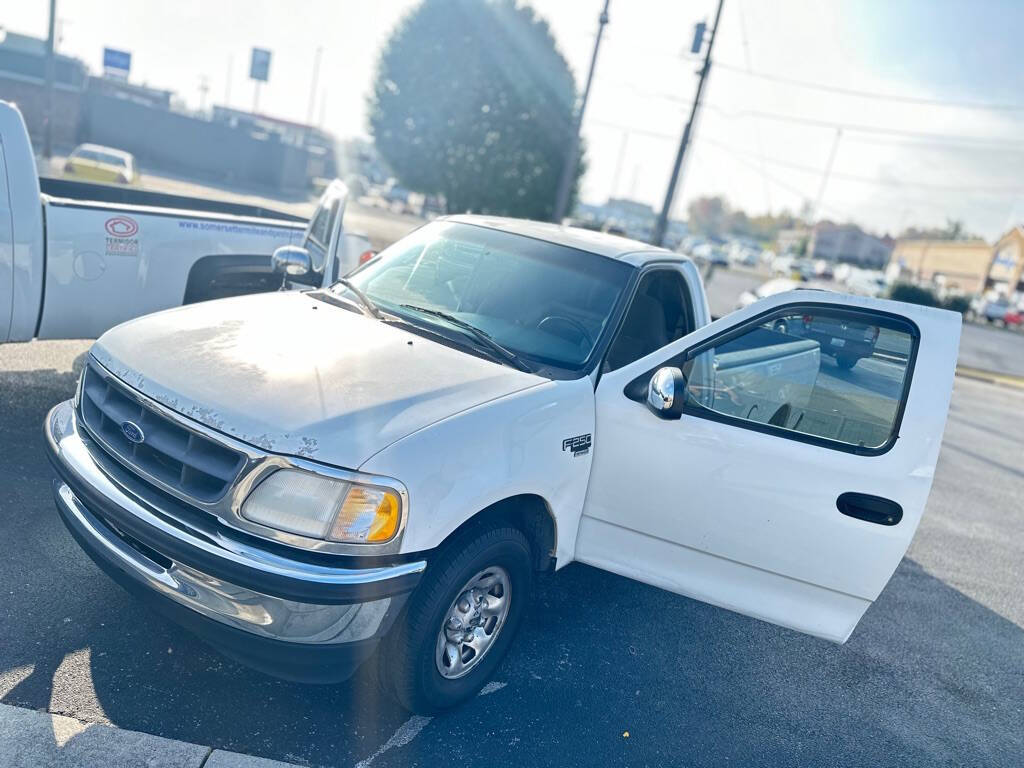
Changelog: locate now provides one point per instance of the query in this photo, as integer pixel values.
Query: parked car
(93, 162)
(992, 309)
(846, 341)
(381, 467)
(83, 257)
(865, 282)
(823, 269)
(782, 265)
(741, 255)
(769, 288)
(710, 253)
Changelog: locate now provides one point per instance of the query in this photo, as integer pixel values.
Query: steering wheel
(574, 324)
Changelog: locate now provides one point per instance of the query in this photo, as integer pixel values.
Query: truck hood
(293, 375)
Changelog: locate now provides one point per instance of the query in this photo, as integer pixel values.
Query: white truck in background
(77, 258)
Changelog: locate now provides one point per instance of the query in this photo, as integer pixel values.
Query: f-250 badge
(579, 445)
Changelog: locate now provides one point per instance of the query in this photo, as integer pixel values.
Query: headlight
(321, 507)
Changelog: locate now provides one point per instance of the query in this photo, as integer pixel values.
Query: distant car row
(997, 310)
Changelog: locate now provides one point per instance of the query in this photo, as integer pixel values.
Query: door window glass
(320, 232)
(827, 373)
(658, 314)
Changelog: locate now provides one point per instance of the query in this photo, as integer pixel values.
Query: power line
(757, 123)
(874, 181)
(854, 127)
(803, 195)
(833, 89)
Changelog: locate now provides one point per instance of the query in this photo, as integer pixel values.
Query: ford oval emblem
(133, 431)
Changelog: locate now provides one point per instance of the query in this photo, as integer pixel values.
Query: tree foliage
(920, 294)
(714, 217)
(472, 100)
(954, 230)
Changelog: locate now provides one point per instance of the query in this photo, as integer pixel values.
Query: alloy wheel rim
(472, 622)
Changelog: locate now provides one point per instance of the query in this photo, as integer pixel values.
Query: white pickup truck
(78, 258)
(385, 464)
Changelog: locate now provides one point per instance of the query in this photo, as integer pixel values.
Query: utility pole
(50, 70)
(569, 169)
(204, 88)
(666, 208)
(227, 82)
(824, 177)
(618, 165)
(312, 90)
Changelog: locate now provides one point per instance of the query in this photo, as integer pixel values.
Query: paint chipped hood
(293, 375)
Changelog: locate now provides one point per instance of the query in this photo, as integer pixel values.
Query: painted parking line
(411, 728)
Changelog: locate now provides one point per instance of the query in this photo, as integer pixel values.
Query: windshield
(544, 302)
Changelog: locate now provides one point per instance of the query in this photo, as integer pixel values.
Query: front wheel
(460, 621)
(845, 362)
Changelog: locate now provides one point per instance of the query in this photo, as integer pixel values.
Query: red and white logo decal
(121, 226)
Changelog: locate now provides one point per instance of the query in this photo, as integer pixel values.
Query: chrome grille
(184, 461)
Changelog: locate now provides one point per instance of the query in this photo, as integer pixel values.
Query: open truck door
(751, 466)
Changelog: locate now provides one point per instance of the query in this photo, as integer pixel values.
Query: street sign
(698, 37)
(259, 68)
(117, 61)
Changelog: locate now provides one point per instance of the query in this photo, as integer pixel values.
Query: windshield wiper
(480, 335)
(369, 307)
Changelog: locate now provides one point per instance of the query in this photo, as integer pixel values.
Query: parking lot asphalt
(933, 675)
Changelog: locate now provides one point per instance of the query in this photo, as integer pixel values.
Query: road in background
(932, 676)
(984, 347)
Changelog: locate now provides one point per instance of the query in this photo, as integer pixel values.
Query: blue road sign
(259, 69)
(115, 59)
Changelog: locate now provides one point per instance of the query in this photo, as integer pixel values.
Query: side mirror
(291, 261)
(666, 393)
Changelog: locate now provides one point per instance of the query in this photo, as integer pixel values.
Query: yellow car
(92, 162)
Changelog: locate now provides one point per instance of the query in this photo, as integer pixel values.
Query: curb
(1000, 379)
(36, 739)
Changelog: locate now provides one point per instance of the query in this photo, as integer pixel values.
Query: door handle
(873, 509)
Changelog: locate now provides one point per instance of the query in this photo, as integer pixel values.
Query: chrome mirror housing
(666, 393)
(292, 261)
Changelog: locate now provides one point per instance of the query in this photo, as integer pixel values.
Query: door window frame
(636, 389)
(627, 304)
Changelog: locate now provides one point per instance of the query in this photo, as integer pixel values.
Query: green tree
(472, 100)
(708, 216)
(913, 294)
(954, 230)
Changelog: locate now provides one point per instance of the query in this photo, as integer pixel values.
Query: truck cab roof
(624, 249)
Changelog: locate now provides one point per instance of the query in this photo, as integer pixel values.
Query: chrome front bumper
(144, 538)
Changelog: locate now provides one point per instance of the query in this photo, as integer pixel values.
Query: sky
(921, 101)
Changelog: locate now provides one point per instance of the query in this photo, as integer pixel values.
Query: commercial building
(229, 146)
(23, 82)
(952, 266)
(849, 244)
(1006, 275)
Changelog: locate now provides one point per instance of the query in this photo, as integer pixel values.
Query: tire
(845, 362)
(409, 664)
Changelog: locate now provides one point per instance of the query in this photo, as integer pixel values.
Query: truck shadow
(931, 676)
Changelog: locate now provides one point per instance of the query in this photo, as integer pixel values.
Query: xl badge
(133, 431)
(579, 445)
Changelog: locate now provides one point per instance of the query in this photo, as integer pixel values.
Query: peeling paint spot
(308, 448)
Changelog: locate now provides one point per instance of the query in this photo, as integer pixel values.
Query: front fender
(518, 444)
